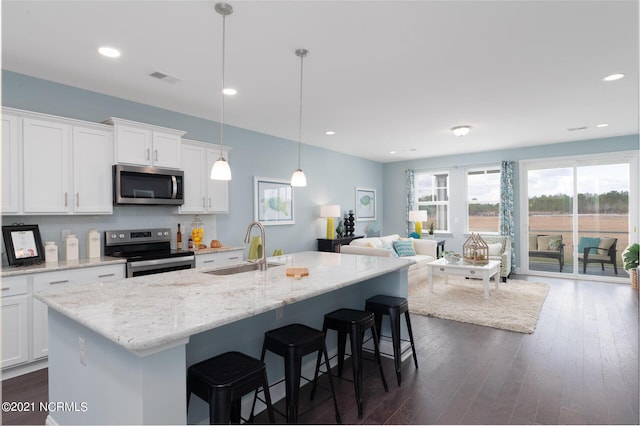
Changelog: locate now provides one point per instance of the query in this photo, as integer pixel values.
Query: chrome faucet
(262, 262)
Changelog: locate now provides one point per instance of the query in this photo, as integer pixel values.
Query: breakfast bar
(119, 351)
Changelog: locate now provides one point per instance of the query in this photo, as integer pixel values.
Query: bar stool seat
(393, 307)
(354, 323)
(223, 380)
(292, 342)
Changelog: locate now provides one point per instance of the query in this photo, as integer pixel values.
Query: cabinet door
(92, 181)
(15, 329)
(132, 145)
(11, 166)
(217, 190)
(47, 168)
(193, 164)
(166, 150)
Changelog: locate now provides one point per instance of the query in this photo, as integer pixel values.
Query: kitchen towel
(255, 248)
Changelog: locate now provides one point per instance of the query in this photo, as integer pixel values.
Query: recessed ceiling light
(461, 130)
(602, 125)
(329, 132)
(393, 152)
(109, 52)
(229, 91)
(613, 77)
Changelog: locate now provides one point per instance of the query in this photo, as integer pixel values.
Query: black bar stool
(393, 306)
(354, 323)
(292, 342)
(223, 380)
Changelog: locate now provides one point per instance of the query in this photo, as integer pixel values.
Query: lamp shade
(220, 170)
(332, 210)
(418, 216)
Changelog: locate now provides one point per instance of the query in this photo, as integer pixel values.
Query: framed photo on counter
(23, 244)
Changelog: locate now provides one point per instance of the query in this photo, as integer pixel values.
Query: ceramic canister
(93, 243)
(71, 247)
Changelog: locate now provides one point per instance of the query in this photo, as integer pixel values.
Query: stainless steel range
(148, 251)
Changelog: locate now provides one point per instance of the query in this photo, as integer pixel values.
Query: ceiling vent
(168, 78)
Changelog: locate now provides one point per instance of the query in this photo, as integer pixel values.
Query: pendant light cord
(224, 19)
(302, 55)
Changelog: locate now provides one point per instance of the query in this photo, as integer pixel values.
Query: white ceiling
(384, 75)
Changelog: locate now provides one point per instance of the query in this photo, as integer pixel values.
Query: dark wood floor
(579, 367)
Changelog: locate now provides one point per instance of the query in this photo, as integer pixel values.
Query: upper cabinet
(63, 166)
(201, 194)
(146, 145)
(11, 170)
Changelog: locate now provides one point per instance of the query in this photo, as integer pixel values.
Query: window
(483, 200)
(432, 192)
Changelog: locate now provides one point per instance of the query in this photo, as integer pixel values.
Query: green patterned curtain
(506, 206)
(411, 197)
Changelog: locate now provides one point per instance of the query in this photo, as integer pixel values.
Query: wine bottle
(179, 238)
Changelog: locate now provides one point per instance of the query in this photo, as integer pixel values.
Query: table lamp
(418, 216)
(330, 212)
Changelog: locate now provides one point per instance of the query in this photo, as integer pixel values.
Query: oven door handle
(174, 189)
(165, 261)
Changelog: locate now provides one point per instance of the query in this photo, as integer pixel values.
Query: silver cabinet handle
(58, 282)
(6, 288)
(106, 275)
(155, 153)
(209, 261)
(148, 151)
(234, 258)
(66, 196)
(77, 199)
(203, 202)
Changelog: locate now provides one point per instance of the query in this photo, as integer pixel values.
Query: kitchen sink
(236, 269)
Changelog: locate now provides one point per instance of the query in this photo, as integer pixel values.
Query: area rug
(514, 306)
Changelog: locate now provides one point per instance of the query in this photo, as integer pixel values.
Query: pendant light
(220, 169)
(298, 178)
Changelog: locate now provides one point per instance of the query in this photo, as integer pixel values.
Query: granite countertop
(10, 271)
(148, 314)
(217, 250)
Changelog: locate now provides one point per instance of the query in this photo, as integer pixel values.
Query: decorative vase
(340, 229)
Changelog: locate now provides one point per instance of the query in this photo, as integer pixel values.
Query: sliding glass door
(577, 216)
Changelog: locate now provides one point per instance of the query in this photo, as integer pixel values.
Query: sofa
(425, 252)
(500, 249)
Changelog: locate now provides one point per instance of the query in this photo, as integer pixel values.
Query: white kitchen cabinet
(62, 166)
(146, 145)
(47, 166)
(15, 321)
(202, 195)
(92, 176)
(11, 165)
(219, 259)
(49, 280)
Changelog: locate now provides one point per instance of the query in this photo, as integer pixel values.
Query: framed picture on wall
(273, 201)
(365, 204)
(23, 244)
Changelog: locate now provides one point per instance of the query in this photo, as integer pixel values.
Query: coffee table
(443, 267)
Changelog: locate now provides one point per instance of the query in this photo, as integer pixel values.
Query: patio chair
(597, 250)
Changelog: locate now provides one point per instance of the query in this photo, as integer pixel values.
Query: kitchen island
(119, 351)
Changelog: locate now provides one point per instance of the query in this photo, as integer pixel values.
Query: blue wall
(332, 177)
(394, 178)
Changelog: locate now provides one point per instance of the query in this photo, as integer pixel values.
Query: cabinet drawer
(216, 260)
(14, 285)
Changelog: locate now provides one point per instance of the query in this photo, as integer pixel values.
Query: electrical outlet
(279, 313)
(83, 351)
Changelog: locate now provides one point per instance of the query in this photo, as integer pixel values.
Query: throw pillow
(555, 244)
(587, 242)
(404, 248)
(495, 249)
(606, 243)
(390, 249)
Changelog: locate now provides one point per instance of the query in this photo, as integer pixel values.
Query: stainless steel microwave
(147, 185)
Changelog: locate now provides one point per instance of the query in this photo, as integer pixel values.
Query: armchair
(500, 249)
(597, 250)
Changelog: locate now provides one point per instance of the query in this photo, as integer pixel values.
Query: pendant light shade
(221, 169)
(298, 178)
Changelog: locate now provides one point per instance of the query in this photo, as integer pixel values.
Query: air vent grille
(168, 78)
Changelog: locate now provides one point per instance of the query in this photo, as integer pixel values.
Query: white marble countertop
(10, 271)
(151, 313)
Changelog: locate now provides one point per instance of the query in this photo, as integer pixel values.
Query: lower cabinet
(24, 335)
(216, 260)
(15, 321)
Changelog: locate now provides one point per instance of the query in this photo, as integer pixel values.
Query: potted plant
(431, 230)
(630, 258)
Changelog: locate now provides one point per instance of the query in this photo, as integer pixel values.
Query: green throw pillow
(404, 248)
(555, 244)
